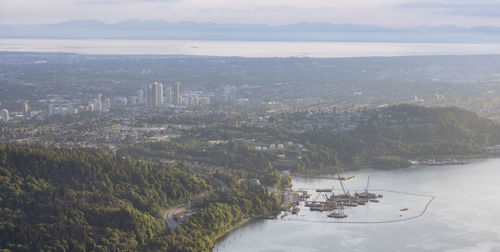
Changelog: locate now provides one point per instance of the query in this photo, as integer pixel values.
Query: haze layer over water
(244, 48)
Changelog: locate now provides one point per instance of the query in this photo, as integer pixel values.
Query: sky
(388, 13)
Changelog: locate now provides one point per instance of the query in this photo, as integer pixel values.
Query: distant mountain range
(160, 29)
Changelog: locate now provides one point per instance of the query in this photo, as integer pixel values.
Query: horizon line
(254, 24)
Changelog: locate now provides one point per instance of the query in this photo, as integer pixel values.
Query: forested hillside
(386, 137)
(220, 212)
(397, 133)
(233, 155)
(76, 200)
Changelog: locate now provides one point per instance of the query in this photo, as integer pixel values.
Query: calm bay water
(244, 48)
(464, 216)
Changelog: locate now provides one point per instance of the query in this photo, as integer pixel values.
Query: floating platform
(324, 190)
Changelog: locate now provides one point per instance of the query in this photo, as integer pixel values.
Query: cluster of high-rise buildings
(99, 104)
(154, 94)
(151, 95)
(26, 113)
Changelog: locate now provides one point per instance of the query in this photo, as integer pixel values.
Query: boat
(374, 200)
(347, 178)
(380, 196)
(404, 209)
(338, 215)
(366, 195)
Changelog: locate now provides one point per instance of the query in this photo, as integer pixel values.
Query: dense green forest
(397, 133)
(219, 213)
(235, 155)
(76, 200)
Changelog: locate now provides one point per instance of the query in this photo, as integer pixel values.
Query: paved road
(169, 215)
(223, 186)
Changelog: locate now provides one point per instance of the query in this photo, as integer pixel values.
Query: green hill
(76, 200)
(394, 134)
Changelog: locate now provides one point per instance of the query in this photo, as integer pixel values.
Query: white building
(160, 93)
(5, 115)
(52, 109)
(107, 104)
(228, 94)
(140, 96)
(97, 105)
(169, 96)
(132, 101)
(121, 101)
(26, 110)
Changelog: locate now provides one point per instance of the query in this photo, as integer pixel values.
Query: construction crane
(342, 185)
(367, 184)
(316, 199)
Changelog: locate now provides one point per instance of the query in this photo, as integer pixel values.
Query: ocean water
(244, 48)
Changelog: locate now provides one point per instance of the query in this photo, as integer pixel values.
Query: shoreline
(241, 223)
(321, 173)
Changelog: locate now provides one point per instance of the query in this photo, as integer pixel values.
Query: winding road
(223, 186)
(169, 215)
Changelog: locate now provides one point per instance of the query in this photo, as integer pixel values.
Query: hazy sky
(391, 13)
